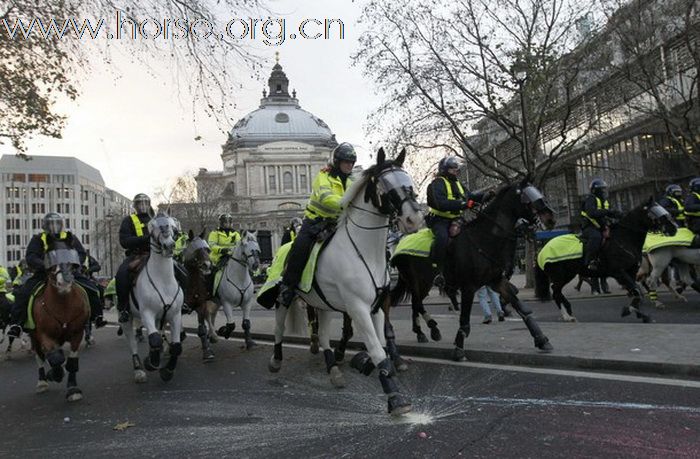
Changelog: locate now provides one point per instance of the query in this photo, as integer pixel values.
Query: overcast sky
(132, 127)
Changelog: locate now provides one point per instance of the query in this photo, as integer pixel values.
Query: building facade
(269, 161)
(43, 184)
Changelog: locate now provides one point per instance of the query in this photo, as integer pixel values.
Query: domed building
(270, 158)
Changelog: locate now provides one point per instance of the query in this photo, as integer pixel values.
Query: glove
(225, 252)
(466, 204)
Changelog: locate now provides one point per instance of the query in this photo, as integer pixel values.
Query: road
(235, 407)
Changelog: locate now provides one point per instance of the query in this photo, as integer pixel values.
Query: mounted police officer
(692, 209)
(322, 211)
(135, 239)
(37, 248)
(181, 240)
(222, 240)
(447, 198)
(596, 213)
(290, 232)
(672, 202)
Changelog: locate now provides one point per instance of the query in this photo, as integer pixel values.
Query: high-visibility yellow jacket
(326, 193)
(219, 240)
(4, 279)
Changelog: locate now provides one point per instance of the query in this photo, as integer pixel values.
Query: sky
(136, 129)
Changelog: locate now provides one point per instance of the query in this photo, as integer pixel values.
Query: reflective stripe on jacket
(600, 204)
(138, 226)
(450, 197)
(326, 193)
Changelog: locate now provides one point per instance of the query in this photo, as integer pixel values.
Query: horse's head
(250, 250)
(162, 231)
(61, 262)
(196, 255)
(532, 206)
(390, 189)
(656, 218)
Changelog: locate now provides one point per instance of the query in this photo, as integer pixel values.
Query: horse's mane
(500, 192)
(352, 192)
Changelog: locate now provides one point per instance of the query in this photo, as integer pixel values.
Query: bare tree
(45, 47)
(510, 70)
(196, 205)
(656, 53)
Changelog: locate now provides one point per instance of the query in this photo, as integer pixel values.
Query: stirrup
(439, 281)
(15, 331)
(124, 316)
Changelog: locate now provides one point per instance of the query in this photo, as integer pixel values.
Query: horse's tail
(296, 318)
(542, 290)
(400, 293)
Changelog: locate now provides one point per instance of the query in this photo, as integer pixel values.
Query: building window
(287, 182)
(302, 183)
(272, 178)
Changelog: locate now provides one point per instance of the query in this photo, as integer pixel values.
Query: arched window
(287, 182)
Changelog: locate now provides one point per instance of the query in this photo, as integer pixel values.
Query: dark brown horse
(199, 297)
(60, 313)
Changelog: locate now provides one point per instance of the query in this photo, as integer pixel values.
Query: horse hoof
(208, 356)
(148, 365)
(647, 320)
(213, 339)
(250, 344)
(398, 405)
(183, 336)
(166, 374)
(274, 365)
(400, 364)
(339, 355)
(422, 338)
(337, 378)
(625, 311)
(659, 305)
(74, 394)
(41, 387)
(140, 376)
(314, 348)
(459, 355)
(543, 344)
(435, 334)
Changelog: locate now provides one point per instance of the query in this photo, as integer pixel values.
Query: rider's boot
(286, 295)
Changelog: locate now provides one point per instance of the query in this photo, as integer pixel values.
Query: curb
(534, 359)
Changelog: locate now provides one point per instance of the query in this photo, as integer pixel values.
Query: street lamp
(520, 75)
(109, 218)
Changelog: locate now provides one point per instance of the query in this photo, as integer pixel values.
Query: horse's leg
(174, 348)
(344, 339)
(41, 385)
(207, 353)
(659, 265)
(562, 303)
(139, 373)
(89, 339)
(275, 363)
(628, 282)
(225, 331)
(364, 361)
(73, 392)
(467, 297)
(390, 337)
(313, 329)
(247, 306)
(155, 341)
(432, 324)
(53, 353)
(452, 295)
(212, 310)
(324, 319)
(541, 341)
(416, 310)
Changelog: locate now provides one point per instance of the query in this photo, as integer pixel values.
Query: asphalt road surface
(235, 407)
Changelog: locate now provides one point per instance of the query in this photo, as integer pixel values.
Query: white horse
(159, 301)
(660, 260)
(236, 287)
(352, 272)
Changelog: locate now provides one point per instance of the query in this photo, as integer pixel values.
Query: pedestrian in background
(485, 294)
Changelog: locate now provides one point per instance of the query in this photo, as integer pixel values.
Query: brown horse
(60, 313)
(198, 295)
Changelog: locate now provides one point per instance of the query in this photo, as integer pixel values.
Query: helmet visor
(142, 205)
(53, 225)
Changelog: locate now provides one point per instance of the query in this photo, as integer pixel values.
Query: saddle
(136, 266)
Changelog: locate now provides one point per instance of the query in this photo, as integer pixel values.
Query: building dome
(280, 118)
